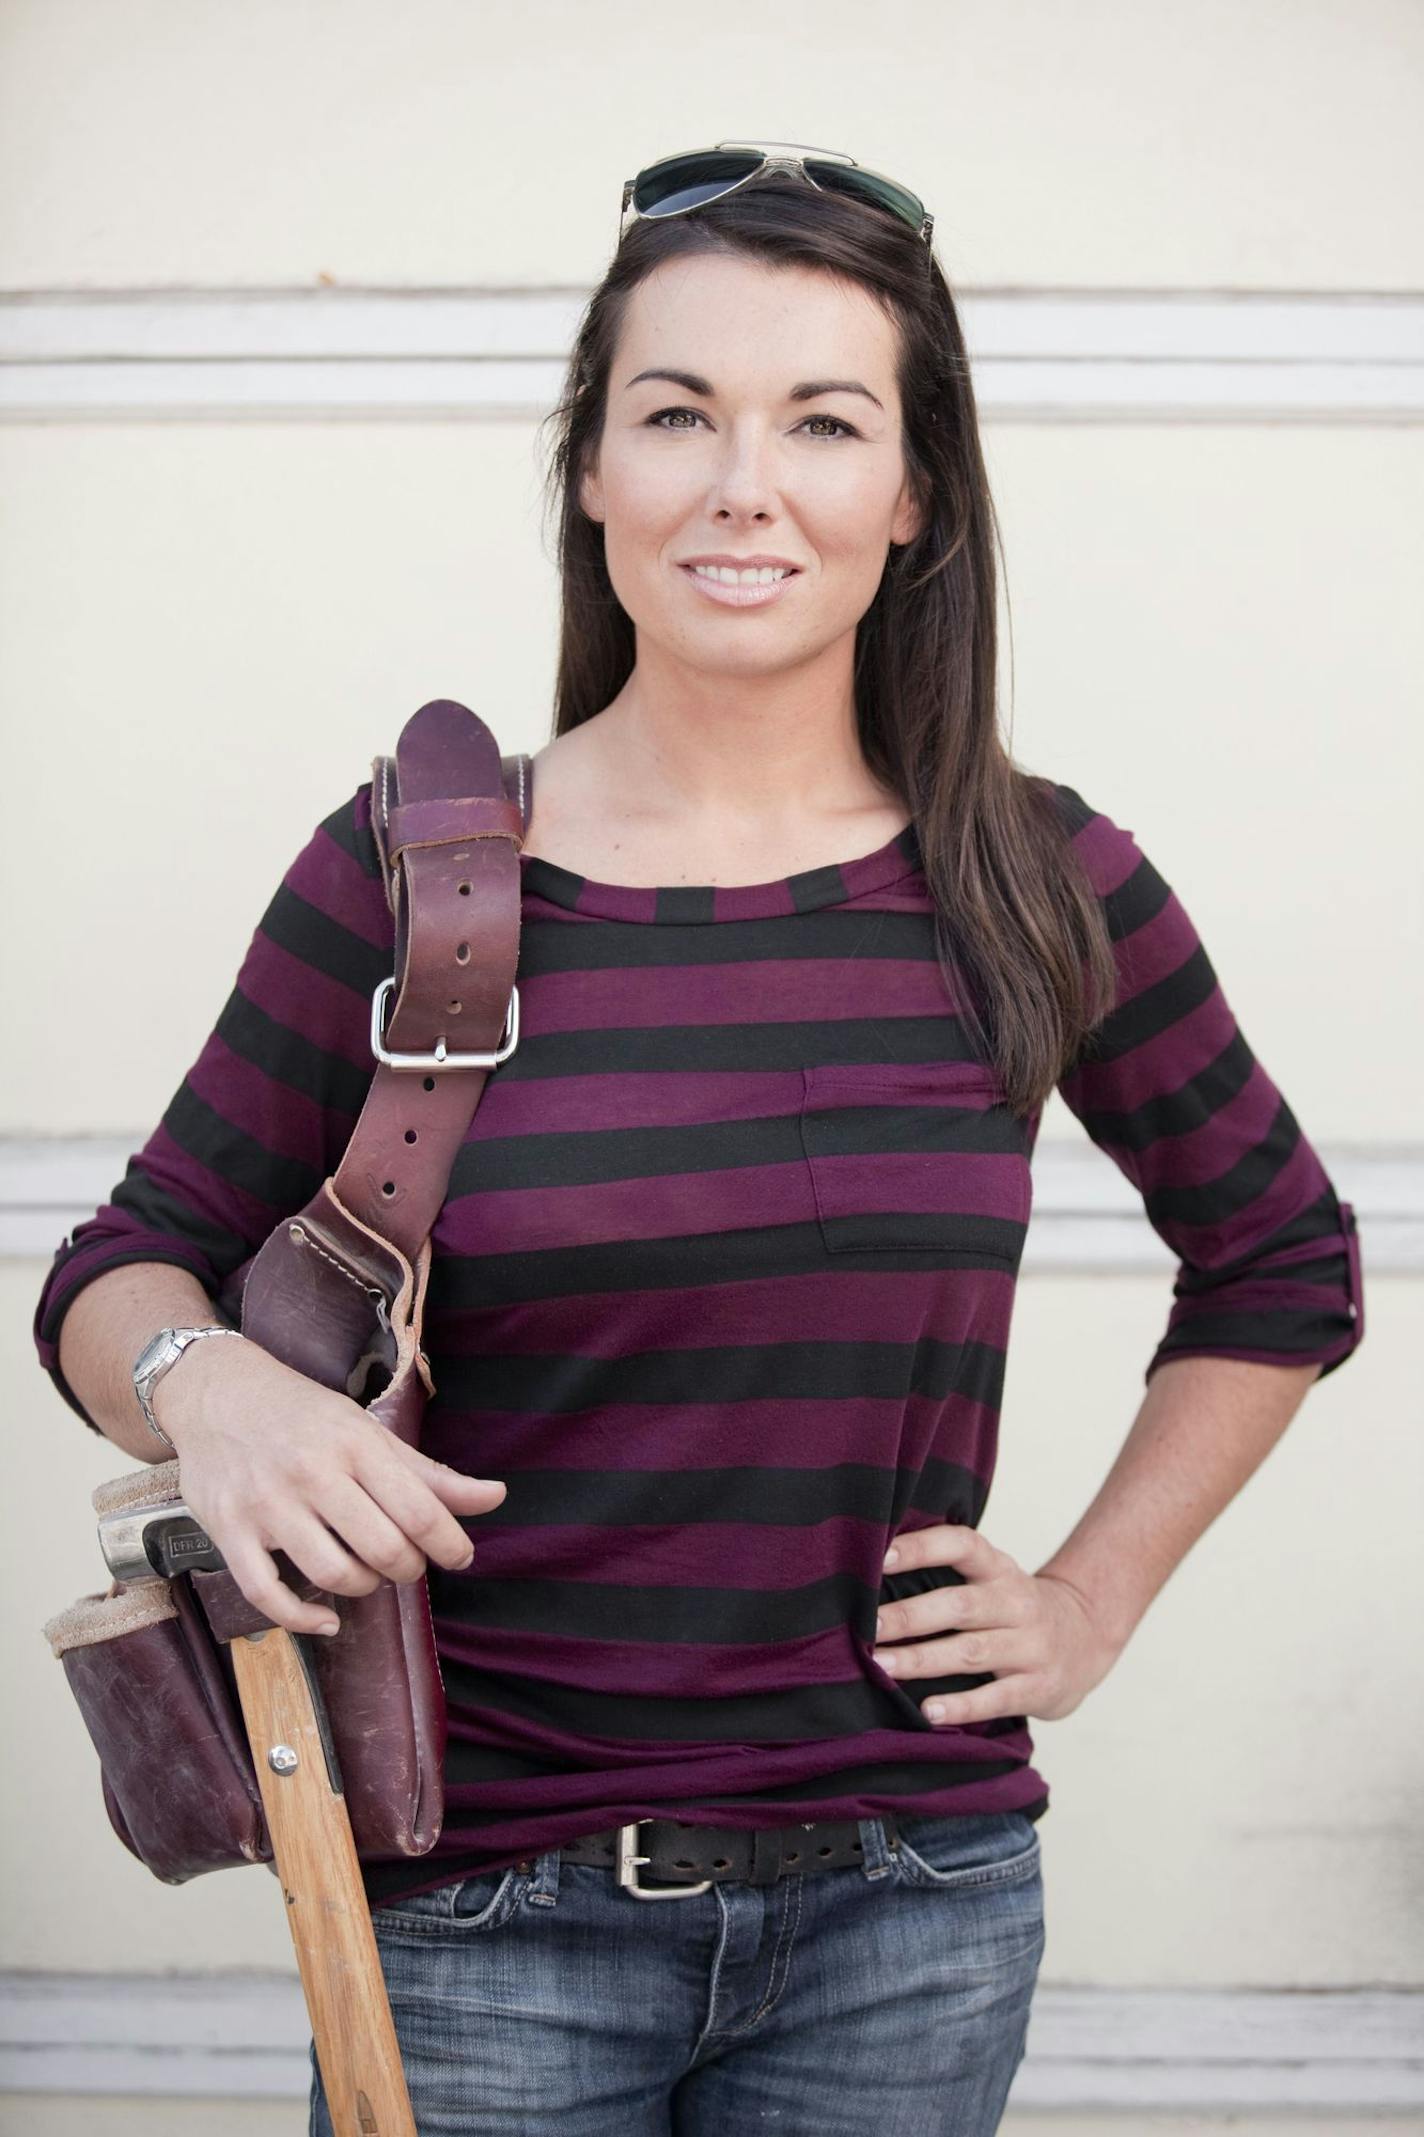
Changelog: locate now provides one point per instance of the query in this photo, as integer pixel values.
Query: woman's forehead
(717, 317)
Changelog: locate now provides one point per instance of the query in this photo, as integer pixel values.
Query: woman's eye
(657, 421)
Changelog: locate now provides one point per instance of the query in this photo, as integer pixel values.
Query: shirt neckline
(684, 904)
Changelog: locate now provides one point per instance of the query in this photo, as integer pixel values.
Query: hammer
(289, 1734)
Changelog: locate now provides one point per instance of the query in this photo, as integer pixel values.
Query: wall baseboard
(1164, 2050)
(1087, 1217)
(1038, 355)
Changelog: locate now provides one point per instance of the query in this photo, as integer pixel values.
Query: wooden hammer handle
(327, 1910)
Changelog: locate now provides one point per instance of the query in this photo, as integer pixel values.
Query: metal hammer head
(154, 1542)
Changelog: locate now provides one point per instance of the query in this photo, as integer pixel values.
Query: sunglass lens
(865, 186)
(682, 182)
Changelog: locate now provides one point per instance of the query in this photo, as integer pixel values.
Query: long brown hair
(1020, 934)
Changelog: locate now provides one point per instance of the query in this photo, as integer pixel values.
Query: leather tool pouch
(337, 1291)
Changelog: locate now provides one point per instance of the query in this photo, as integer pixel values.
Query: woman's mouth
(743, 593)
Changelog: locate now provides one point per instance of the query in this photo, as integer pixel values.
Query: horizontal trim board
(1189, 2050)
(1038, 355)
(1087, 1216)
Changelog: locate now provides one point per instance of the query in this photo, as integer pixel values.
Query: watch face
(153, 1353)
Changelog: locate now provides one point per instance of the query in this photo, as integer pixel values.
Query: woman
(722, 1285)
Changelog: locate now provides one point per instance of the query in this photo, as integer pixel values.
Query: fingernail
(330, 1629)
(879, 1624)
(933, 1712)
(892, 1557)
(889, 1662)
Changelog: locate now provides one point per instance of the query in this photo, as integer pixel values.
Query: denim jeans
(890, 1998)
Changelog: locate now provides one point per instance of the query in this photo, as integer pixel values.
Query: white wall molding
(1039, 355)
(1087, 1217)
(246, 2036)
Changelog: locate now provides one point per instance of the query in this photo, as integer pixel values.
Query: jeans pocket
(966, 1852)
(462, 1907)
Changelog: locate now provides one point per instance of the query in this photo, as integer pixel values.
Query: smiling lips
(751, 588)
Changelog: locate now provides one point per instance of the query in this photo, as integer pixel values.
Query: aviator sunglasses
(677, 184)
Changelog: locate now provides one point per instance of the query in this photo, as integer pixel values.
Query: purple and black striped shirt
(722, 1289)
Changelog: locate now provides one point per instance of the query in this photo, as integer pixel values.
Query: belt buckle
(441, 1058)
(629, 1859)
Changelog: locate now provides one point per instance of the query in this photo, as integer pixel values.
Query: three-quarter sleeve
(1166, 1084)
(265, 1112)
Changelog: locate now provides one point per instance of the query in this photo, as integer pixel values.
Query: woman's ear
(590, 494)
(912, 513)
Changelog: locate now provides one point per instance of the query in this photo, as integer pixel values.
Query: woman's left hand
(1034, 1631)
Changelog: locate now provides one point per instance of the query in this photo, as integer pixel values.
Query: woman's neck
(738, 767)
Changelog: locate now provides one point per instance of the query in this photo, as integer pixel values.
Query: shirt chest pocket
(919, 1160)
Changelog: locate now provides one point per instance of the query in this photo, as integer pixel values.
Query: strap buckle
(629, 1859)
(442, 1058)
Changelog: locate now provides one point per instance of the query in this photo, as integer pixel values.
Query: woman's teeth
(725, 576)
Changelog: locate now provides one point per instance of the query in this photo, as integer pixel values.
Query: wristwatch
(157, 1356)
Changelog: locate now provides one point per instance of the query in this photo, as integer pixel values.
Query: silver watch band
(158, 1356)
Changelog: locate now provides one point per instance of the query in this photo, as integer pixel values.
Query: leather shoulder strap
(449, 815)
(341, 1284)
(517, 773)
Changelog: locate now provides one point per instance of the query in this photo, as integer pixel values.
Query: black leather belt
(690, 1858)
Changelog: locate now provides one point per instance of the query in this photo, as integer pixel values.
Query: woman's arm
(270, 1460)
(1169, 1088)
(105, 1329)
(1269, 1297)
(258, 1122)
(1204, 1427)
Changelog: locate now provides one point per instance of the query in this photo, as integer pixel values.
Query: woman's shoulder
(350, 827)
(338, 874)
(1107, 848)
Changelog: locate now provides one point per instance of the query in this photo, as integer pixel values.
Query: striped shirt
(721, 1289)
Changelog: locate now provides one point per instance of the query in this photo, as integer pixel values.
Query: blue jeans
(891, 1998)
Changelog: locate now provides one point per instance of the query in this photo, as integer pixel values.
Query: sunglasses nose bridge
(794, 167)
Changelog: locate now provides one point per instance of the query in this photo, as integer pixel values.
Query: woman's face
(736, 459)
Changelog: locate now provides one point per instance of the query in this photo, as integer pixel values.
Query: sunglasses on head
(677, 184)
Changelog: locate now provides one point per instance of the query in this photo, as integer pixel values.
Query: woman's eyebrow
(808, 390)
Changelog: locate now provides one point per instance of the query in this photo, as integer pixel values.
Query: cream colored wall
(1109, 145)
(210, 627)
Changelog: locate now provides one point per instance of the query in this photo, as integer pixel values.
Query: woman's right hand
(271, 1460)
